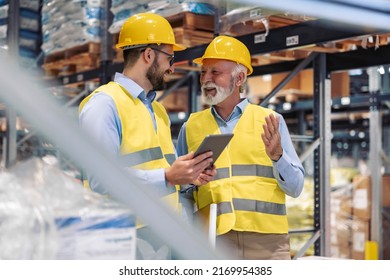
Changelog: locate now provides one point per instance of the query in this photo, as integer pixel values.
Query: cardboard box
(361, 195)
(340, 84)
(260, 85)
(386, 191)
(341, 230)
(303, 84)
(340, 252)
(306, 81)
(360, 234)
(386, 234)
(299, 87)
(341, 201)
(292, 84)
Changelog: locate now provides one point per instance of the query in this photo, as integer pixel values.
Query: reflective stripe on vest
(252, 170)
(245, 170)
(222, 173)
(141, 156)
(251, 206)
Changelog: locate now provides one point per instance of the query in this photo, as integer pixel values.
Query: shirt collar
(133, 88)
(151, 95)
(238, 109)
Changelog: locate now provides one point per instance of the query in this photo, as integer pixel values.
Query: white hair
(240, 68)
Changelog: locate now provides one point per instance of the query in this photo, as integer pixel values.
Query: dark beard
(155, 77)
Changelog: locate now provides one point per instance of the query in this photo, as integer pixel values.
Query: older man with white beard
(258, 168)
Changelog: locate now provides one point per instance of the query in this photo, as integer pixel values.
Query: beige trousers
(254, 246)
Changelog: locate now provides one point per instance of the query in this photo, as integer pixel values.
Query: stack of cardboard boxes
(298, 88)
(361, 215)
(340, 221)
(351, 218)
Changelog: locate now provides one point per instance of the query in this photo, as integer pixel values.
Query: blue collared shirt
(288, 170)
(99, 117)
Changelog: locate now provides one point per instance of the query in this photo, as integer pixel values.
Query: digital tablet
(215, 143)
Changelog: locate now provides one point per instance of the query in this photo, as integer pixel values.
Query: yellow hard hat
(147, 28)
(229, 48)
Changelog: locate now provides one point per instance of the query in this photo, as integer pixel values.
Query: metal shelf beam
(10, 150)
(307, 33)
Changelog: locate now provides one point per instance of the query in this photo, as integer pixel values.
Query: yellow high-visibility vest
(247, 195)
(141, 146)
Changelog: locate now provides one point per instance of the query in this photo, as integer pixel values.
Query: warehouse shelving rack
(309, 33)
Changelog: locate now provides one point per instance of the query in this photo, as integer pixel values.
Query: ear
(240, 79)
(148, 56)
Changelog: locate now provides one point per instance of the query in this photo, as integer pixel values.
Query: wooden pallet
(75, 64)
(92, 48)
(73, 60)
(192, 21)
(192, 37)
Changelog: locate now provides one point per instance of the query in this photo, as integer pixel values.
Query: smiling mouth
(210, 90)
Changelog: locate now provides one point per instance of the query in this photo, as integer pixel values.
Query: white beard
(221, 95)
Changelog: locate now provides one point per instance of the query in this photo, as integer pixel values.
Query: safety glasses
(171, 56)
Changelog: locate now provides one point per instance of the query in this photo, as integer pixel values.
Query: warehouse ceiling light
(381, 70)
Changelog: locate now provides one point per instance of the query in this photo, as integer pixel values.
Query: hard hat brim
(176, 47)
(199, 61)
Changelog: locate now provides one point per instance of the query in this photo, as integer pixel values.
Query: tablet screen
(215, 143)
